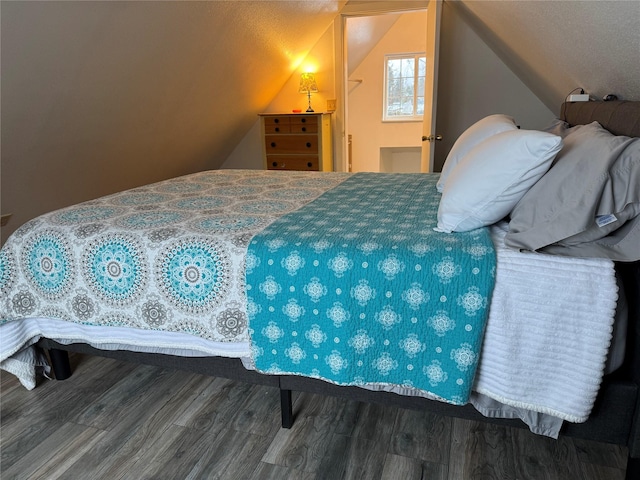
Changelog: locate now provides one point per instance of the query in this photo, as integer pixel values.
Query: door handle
(431, 138)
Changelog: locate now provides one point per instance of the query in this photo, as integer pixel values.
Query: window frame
(416, 95)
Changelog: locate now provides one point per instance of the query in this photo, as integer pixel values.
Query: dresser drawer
(291, 144)
(277, 128)
(303, 128)
(277, 120)
(293, 162)
(303, 120)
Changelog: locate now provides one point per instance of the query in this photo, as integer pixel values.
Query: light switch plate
(331, 105)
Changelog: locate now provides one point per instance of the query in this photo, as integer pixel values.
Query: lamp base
(309, 109)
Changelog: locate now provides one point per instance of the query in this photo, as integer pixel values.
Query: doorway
(344, 87)
(377, 145)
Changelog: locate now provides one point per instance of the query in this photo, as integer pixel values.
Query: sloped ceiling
(364, 33)
(556, 46)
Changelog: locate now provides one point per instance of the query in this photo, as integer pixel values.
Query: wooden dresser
(297, 141)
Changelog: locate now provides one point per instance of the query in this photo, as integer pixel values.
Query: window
(404, 87)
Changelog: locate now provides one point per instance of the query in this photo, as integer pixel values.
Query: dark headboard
(619, 117)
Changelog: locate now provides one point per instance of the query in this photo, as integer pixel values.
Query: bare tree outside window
(404, 87)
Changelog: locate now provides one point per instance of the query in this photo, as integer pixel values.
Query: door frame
(427, 154)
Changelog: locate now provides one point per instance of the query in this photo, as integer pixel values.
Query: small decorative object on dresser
(297, 141)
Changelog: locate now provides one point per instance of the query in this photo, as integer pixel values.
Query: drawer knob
(276, 120)
(304, 120)
(273, 144)
(309, 164)
(308, 144)
(277, 129)
(275, 164)
(304, 129)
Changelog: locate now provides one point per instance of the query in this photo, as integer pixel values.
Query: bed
(187, 309)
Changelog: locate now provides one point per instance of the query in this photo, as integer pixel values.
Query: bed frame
(616, 414)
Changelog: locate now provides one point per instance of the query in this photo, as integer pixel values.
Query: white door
(429, 135)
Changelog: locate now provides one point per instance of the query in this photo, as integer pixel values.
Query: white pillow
(472, 136)
(493, 177)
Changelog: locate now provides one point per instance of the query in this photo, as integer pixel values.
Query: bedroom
(90, 95)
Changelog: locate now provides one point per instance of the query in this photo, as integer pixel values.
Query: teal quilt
(357, 288)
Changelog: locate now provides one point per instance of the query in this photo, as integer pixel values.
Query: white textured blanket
(547, 355)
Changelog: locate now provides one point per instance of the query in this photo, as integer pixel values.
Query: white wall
(369, 132)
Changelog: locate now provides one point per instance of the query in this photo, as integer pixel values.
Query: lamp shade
(308, 83)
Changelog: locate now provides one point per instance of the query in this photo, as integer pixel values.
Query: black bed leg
(286, 408)
(633, 468)
(60, 363)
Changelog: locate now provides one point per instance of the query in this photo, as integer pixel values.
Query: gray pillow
(588, 203)
(560, 128)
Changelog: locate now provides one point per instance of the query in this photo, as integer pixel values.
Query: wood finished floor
(114, 420)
